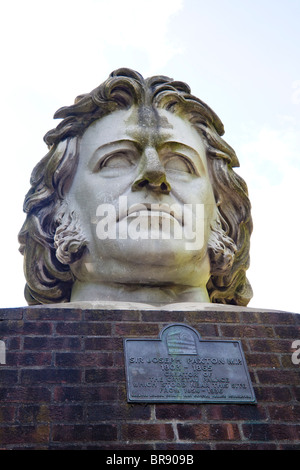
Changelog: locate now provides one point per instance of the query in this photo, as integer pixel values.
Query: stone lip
(176, 307)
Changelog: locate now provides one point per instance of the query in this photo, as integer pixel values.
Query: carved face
(145, 200)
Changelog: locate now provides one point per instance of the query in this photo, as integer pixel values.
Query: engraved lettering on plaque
(180, 366)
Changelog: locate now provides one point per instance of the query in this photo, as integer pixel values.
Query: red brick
(84, 359)
(296, 393)
(66, 413)
(278, 376)
(120, 446)
(147, 432)
(289, 446)
(212, 317)
(291, 331)
(137, 329)
(286, 361)
(46, 413)
(18, 394)
(103, 376)
(269, 432)
(24, 434)
(273, 394)
(207, 432)
(162, 316)
(111, 315)
(105, 344)
(119, 360)
(243, 446)
(7, 414)
(268, 345)
(84, 432)
(178, 412)
(34, 414)
(117, 412)
(13, 343)
(83, 328)
(48, 376)
(11, 313)
(34, 358)
(207, 331)
(246, 331)
(236, 412)
(37, 328)
(267, 318)
(51, 343)
(285, 413)
(84, 394)
(52, 314)
(8, 376)
(262, 360)
(185, 447)
(24, 328)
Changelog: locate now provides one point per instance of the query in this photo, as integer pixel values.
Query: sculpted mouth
(151, 210)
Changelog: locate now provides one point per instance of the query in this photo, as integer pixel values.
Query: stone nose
(153, 174)
(155, 181)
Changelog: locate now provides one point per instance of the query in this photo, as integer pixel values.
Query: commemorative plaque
(180, 366)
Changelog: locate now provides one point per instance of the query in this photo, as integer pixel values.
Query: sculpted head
(137, 200)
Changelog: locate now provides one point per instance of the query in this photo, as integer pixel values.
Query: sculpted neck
(88, 291)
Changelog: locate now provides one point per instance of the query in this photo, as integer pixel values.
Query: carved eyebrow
(186, 150)
(117, 142)
(105, 149)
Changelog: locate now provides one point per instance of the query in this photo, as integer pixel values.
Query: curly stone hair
(51, 238)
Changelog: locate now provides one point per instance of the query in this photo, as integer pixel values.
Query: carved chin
(70, 243)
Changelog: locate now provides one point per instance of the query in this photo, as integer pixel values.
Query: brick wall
(63, 384)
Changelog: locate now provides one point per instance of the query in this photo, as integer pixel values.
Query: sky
(241, 57)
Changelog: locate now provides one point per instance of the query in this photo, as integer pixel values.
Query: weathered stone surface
(137, 200)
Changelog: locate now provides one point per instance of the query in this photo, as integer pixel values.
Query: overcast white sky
(239, 56)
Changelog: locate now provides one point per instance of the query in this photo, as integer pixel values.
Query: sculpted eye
(179, 163)
(117, 160)
(116, 163)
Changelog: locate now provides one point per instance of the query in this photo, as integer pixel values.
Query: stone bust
(137, 200)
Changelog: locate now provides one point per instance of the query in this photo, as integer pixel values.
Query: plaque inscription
(181, 367)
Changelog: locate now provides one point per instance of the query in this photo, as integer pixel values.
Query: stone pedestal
(63, 385)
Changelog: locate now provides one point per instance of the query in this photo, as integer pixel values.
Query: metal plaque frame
(179, 366)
